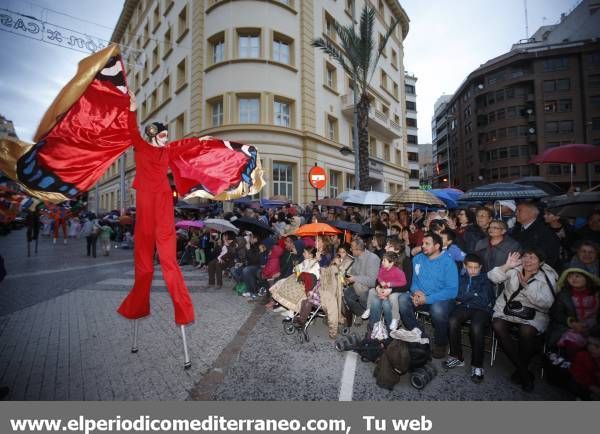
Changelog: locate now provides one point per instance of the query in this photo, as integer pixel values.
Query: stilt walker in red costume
(88, 126)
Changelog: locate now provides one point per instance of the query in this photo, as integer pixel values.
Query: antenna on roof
(526, 20)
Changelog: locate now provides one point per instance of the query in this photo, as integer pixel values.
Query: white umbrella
(359, 197)
(221, 225)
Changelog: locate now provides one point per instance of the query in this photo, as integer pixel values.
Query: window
(563, 84)
(513, 151)
(372, 146)
(409, 89)
(556, 64)
(216, 108)
(156, 17)
(550, 106)
(249, 44)
(182, 25)
(411, 139)
(282, 179)
(381, 39)
(504, 172)
(329, 26)
(399, 157)
(500, 95)
(168, 41)
(180, 126)
(511, 112)
(249, 110)
(413, 156)
(281, 111)
(166, 89)
(595, 102)
(386, 152)
(334, 182)
(395, 91)
(515, 171)
(565, 105)
(595, 124)
(281, 50)
(380, 8)
(566, 126)
(410, 122)
(349, 181)
(549, 86)
(154, 100)
(410, 105)
(502, 153)
(332, 127)
(155, 58)
(594, 81)
(217, 47)
(554, 169)
(181, 73)
(330, 76)
(394, 59)
(383, 83)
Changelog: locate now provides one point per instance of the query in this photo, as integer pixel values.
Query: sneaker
(246, 294)
(288, 314)
(476, 374)
(394, 325)
(279, 309)
(366, 314)
(453, 362)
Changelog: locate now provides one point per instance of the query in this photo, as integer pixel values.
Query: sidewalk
(74, 346)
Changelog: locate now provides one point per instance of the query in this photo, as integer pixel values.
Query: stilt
(134, 347)
(186, 356)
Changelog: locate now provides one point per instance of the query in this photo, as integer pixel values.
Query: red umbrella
(569, 154)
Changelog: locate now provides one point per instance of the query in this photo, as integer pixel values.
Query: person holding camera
(524, 304)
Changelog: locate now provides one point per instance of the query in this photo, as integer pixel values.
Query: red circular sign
(317, 177)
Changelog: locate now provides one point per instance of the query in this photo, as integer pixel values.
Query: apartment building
(543, 93)
(412, 130)
(246, 71)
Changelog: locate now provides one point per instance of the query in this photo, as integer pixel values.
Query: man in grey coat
(361, 277)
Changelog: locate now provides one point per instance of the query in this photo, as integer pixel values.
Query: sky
(447, 40)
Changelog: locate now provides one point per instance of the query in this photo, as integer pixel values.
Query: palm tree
(358, 56)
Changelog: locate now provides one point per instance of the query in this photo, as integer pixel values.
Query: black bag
(515, 308)
(370, 350)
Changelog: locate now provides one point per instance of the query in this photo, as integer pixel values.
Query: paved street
(61, 339)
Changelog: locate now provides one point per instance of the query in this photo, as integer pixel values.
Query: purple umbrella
(186, 224)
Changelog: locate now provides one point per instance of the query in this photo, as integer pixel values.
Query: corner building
(246, 71)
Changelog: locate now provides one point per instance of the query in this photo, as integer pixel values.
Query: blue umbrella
(448, 197)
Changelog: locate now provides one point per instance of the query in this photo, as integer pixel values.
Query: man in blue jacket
(433, 289)
(474, 302)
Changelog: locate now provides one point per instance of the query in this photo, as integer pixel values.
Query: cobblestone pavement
(61, 339)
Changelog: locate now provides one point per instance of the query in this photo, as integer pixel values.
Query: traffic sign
(317, 177)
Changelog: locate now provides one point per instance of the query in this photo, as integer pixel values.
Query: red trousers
(60, 223)
(155, 226)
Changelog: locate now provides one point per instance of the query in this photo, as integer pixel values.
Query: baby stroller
(289, 327)
(312, 303)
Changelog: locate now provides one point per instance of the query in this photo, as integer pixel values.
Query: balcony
(379, 123)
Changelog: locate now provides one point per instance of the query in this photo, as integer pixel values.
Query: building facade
(412, 131)
(246, 71)
(543, 93)
(441, 123)
(426, 165)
